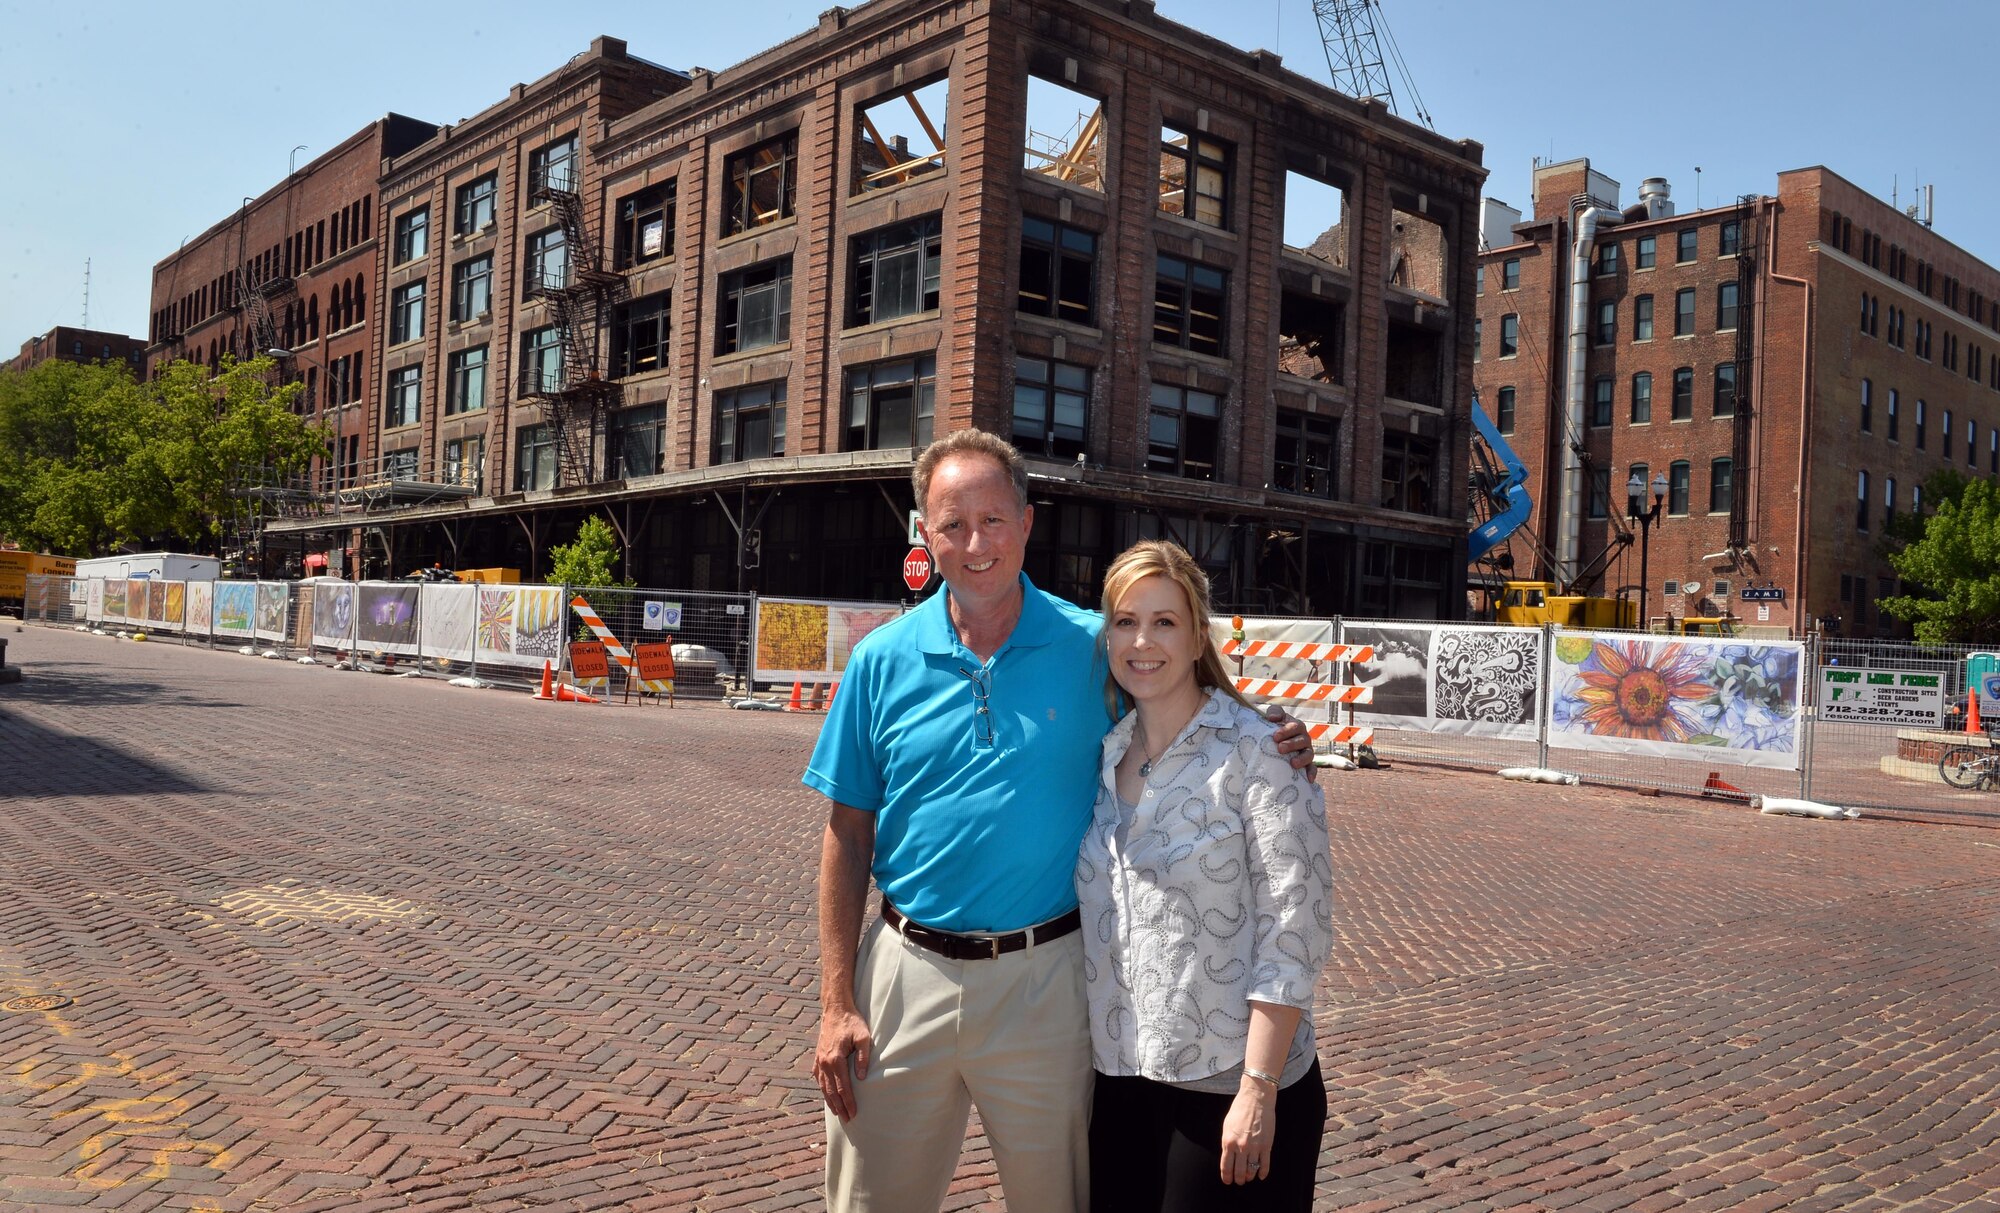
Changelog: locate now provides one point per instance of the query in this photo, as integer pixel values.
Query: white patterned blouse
(1216, 889)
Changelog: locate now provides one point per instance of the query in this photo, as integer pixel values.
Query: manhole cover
(36, 1002)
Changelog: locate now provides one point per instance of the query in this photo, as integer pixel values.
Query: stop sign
(917, 569)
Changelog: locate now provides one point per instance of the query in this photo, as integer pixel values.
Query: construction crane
(1354, 33)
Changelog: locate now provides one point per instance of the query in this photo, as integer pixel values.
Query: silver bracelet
(1259, 1075)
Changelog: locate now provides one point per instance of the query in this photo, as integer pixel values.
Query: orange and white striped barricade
(612, 648)
(1335, 695)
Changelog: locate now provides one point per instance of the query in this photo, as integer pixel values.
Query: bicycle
(1971, 766)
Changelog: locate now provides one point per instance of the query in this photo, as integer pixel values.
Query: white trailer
(159, 566)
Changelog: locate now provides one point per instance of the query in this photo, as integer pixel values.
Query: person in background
(1205, 882)
(960, 758)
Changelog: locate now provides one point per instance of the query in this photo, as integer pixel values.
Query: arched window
(312, 319)
(360, 298)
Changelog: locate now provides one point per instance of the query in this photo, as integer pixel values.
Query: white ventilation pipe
(1570, 503)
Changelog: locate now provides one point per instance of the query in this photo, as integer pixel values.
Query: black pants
(1155, 1148)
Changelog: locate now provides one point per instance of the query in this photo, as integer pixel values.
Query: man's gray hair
(969, 442)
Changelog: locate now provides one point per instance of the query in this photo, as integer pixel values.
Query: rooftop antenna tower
(1354, 33)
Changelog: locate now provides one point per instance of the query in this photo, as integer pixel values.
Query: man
(961, 757)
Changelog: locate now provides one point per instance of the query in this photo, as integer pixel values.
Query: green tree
(69, 434)
(588, 560)
(1955, 566)
(1903, 529)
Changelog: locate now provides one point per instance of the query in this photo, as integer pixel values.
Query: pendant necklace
(1145, 764)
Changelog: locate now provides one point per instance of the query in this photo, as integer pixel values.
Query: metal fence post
(1548, 685)
(1809, 727)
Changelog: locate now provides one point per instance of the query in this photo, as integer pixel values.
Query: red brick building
(1795, 365)
(67, 344)
(725, 308)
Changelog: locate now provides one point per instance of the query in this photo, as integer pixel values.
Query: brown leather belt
(978, 947)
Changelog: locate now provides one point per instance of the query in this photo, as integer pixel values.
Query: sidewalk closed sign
(1881, 697)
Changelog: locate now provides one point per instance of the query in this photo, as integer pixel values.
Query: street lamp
(1635, 496)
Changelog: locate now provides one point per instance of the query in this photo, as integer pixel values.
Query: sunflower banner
(1713, 700)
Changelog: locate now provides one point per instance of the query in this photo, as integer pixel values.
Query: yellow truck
(1530, 604)
(17, 567)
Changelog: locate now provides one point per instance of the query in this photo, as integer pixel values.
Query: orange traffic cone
(1716, 787)
(831, 688)
(795, 705)
(1972, 724)
(817, 705)
(569, 694)
(548, 678)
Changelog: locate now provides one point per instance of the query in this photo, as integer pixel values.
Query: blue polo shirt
(977, 820)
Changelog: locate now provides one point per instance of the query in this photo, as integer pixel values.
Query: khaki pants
(1011, 1035)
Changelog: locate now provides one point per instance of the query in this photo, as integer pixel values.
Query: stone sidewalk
(279, 938)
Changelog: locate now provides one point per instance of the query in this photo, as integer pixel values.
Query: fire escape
(576, 395)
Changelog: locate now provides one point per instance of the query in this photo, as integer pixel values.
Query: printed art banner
(274, 600)
(156, 602)
(811, 639)
(176, 606)
(446, 616)
(94, 600)
(388, 618)
(539, 614)
(200, 617)
(333, 615)
(1471, 680)
(1718, 700)
(114, 601)
(135, 600)
(235, 608)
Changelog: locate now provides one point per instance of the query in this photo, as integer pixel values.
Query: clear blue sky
(137, 125)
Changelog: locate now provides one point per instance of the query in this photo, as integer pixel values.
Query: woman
(1206, 885)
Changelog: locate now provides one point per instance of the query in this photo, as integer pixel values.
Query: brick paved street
(564, 961)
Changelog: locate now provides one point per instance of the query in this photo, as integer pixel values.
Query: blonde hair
(1160, 558)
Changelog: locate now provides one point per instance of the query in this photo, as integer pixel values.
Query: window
(472, 289)
(1194, 176)
(1645, 252)
(1409, 468)
(1677, 487)
(756, 307)
(1993, 451)
(889, 404)
(1057, 270)
(465, 462)
(412, 235)
(554, 167)
(400, 465)
(1478, 333)
(1600, 400)
(1888, 501)
(1971, 443)
(406, 390)
(1732, 238)
(474, 209)
(1642, 318)
(639, 332)
(1861, 500)
(1597, 506)
(1683, 393)
(1721, 486)
(1895, 415)
(646, 226)
(1183, 432)
(895, 139)
(1065, 136)
(1607, 260)
(548, 262)
(1867, 407)
(896, 271)
(1684, 246)
(535, 458)
(758, 185)
(1607, 323)
(1923, 419)
(1944, 436)
(634, 444)
(1684, 311)
(1303, 453)
(1510, 274)
(541, 361)
(1051, 407)
(1725, 306)
(1642, 398)
(750, 422)
(465, 389)
(1479, 280)
(1725, 389)
(1635, 505)
(1505, 421)
(1187, 305)
(406, 313)
(1510, 335)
